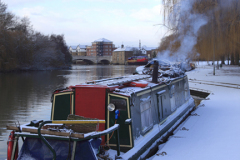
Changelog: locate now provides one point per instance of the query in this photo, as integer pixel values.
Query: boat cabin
(134, 102)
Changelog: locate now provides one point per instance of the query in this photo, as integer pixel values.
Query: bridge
(92, 59)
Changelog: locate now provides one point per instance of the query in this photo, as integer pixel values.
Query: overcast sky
(83, 21)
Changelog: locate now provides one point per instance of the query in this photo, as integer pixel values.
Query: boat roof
(119, 80)
(120, 85)
(128, 91)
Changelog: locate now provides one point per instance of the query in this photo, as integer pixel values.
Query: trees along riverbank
(202, 29)
(23, 48)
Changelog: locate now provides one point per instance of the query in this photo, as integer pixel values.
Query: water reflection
(26, 96)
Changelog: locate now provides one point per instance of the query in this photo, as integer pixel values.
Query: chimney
(155, 72)
(122, 46)
(139, 44)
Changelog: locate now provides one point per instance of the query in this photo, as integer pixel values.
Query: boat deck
(119, 80)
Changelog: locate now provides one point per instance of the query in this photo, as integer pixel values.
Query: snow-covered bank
(213, 130)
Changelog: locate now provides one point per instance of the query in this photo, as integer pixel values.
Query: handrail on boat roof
(109, 130)
(119, 80)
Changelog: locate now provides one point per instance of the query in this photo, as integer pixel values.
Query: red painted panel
(90, 102)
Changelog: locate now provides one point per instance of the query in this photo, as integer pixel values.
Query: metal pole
(74, 150)
(213, 58)
(118, 141)
(213, 48)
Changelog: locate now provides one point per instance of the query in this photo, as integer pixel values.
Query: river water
(25, 96)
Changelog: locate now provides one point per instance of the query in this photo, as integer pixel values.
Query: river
(25, 96)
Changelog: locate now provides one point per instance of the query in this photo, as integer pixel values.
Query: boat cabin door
(121, 104)
(161, 109)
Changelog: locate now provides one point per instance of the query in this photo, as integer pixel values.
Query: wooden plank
(12, 128)
(44, 131)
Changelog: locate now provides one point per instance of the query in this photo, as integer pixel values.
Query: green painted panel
(61, 106)
(124, 128)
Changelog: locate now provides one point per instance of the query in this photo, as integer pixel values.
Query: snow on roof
(74, 47)
(148, 48)
(82, 46)
(102, 40)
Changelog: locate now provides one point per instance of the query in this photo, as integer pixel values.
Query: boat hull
(137, 63)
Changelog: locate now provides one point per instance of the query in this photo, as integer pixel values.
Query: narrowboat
(137, 60)
(165, 65)
(130, 115)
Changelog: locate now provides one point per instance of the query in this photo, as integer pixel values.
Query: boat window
(172, 98)
(120, 104)
(186, 90)
(146, 115)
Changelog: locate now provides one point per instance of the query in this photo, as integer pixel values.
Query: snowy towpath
(212, 132)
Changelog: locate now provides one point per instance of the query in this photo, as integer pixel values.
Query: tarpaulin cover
(35, 149)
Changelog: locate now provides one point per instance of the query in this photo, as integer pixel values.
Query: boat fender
(10, 143)
(138, 84)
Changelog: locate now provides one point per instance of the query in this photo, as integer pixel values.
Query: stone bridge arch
(104, 61)
(92, 59)
(83, 61)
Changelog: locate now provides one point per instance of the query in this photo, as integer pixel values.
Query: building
(79, 50)
(101, 47)
(150, 52)
(82, 50)
(73, 50)
(120, 55)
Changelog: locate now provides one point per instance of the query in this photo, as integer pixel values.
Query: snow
(128, 120)
(161, 92)
(140, 69)
(112, 153)
(141, 141)
(148, 48)
(102, 132)
(213, 130)
(124, 49)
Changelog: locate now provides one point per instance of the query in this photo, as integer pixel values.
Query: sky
(84, 21)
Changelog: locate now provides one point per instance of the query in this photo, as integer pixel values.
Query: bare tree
(219, 34)
(23, 48)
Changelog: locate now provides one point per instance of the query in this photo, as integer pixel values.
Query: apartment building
(101, 47)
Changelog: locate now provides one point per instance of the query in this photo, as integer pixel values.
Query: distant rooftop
(82, 46)
(125, 49)
(148, 48)
(74, 47)
(102, 40)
